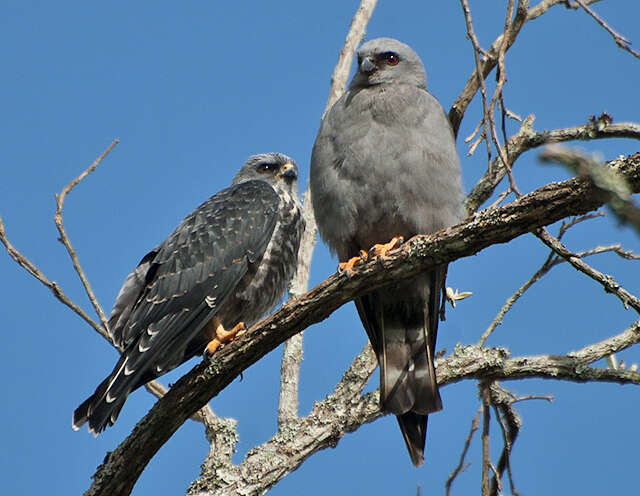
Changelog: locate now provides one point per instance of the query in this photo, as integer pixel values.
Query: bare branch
(461, 465)
(526, 139)
(300, 438)
(551, 261)
(486, 452)
(620, 40)
(341, 412)
(354, 37)
(546, 266)
(607, 282)
(479, 77)
(26, 264)
(490, 57)
(523, 5)
(292, 352)
(489, 125)
(65, 240)
(204, 415)
(52, 285)
(510, 423)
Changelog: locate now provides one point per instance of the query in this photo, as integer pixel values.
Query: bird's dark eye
(264, 167)
(391, 58)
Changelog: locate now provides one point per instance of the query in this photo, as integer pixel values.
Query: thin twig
(67, 243)
(26, 264)
(461, 467)
(620, 40)
(490, 58)
(486, 451)
(52, 285)
(607, 282)
(510, 423)
(528, 397)
(523, 5)
(546, 266)
(496, 481)
(551, 261)
(483, 90)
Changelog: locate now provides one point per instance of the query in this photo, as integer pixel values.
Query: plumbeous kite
(384, 166)
(227, 264)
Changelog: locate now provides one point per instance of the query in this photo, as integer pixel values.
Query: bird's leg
(222, 336)
(347, 266)
(382, 250)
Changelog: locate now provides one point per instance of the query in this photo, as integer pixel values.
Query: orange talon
(382, 250)
(222, 335)
(349, 264)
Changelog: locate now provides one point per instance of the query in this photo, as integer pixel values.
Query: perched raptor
(227, 264)
(384, 166)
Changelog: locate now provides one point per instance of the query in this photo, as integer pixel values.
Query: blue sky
(192, 90)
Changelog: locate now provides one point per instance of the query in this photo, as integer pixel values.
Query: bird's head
(274, 168)
(385, 60)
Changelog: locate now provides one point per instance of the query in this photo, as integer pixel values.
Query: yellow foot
(347, 267)
(382, 250)
(222, 335)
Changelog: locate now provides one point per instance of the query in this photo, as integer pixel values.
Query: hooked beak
(288, 170)
(367, 66)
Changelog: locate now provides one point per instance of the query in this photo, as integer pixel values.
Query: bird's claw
(346, 268)
(381, 250)
(223, 336)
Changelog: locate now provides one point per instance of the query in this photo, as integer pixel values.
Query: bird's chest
(267, 278)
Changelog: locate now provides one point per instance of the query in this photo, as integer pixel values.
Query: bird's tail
(102, 407)
(406, 357)
(414, 431)
(401, 321)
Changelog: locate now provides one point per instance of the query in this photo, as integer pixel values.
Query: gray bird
(227, 264)
(384, 165)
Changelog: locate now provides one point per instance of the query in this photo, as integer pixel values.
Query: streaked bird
(228, 263)
(384, 167)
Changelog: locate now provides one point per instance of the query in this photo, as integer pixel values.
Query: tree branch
(550, 262)
(26, 264)
(607, 282)
(461, 467)
(292, 352)
(64, 239)
(354, 37)
(620, 40)
(526, 139)
(544, 206)
(490, 59)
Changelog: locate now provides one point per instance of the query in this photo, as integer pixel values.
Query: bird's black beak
(288, 171)
(367, 65)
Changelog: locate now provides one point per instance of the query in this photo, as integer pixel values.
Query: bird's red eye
(392, 59)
